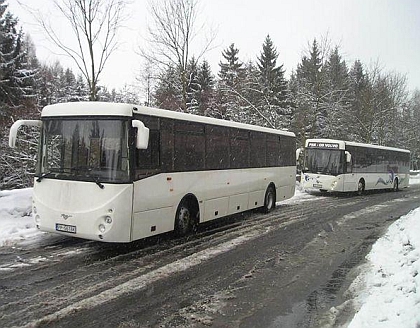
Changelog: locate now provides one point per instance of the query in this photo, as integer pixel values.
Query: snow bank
(387, 291)
(16, 222)
(415, 177)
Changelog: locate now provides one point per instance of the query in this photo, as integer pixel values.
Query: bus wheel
(361, 187)
(396, 186)
(269, 199)
(186, 217)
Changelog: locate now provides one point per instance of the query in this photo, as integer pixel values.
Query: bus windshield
(324, 161)
(84, 149)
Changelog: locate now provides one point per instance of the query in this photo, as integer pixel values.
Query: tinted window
(239, 148)
(287, 151)
(189, 146)
(167, 145)
(273, 150)
(258, 149)
(149, 159)
(217, 147)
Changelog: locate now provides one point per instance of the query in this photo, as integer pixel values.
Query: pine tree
(168, 92)
(206, 82)
(229, 88)
(17, 70)
(309, 87)
(271, 76)
(336, 101)
(231, 71)
(193, 87)
(272, 85)
(16, 76)
(359, 105)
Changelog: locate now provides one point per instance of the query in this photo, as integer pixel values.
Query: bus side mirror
(142, 140)
(15, 128)
(348, 157)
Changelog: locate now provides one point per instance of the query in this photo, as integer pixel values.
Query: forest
(323, 97)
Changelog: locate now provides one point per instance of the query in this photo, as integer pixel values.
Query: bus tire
(361, 187)
(396, 185)
(269, 199)
(186, 216)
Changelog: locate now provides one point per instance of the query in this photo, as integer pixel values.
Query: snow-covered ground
(16, 223)
(385, 292)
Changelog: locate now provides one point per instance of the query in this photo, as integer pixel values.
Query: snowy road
(283, 269)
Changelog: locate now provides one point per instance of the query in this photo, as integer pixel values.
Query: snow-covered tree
(18, 66)
(230, 85)
(411, 119)
(206, 81)
(193, 87)
(16, 72)
(171, 35)
(271, 76)
(308, 84)
(271, 98)
(336, 100)
(168, 91)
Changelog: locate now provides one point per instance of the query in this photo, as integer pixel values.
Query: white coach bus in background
(119, 172)
(343, 166)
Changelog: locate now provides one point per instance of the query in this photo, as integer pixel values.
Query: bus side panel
(153, 206)
(286, 183)
(404, 180)
(152, 222)
(219, 193)
(350, 181)
(215, 208)
(238, 203)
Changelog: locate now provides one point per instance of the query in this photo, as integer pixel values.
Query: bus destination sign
(323, 145)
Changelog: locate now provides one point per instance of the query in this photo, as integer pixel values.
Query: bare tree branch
(94, 25)
(172, 35)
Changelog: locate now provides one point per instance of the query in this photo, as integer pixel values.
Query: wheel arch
(193, 202)
(396, 183)
(363, 189)
(272, 185)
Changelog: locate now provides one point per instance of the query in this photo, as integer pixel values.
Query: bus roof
(94, 108)
(87, 108)
(342, 144)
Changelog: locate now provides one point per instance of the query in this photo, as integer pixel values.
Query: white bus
(119, 172)
(343, 166)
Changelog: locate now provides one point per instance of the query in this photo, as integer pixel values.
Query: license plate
(317, 185)
(65, 228)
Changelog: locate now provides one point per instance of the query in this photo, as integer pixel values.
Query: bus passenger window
(149, 159)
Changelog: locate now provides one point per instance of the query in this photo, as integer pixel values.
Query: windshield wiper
(44, 175)
(100, 185)
(85, 170)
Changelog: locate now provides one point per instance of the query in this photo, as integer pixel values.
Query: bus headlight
(102, 228)
(334, 184)
(37, 219)
(108, 219)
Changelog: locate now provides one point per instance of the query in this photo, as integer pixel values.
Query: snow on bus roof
(150, 111)
(95, 108)
(87, 108)
(342, 143)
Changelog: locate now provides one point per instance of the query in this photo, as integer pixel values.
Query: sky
(384, 294)
(383, 31)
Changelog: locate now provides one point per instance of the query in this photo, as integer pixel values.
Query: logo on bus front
(66, 216)
(323, 145)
